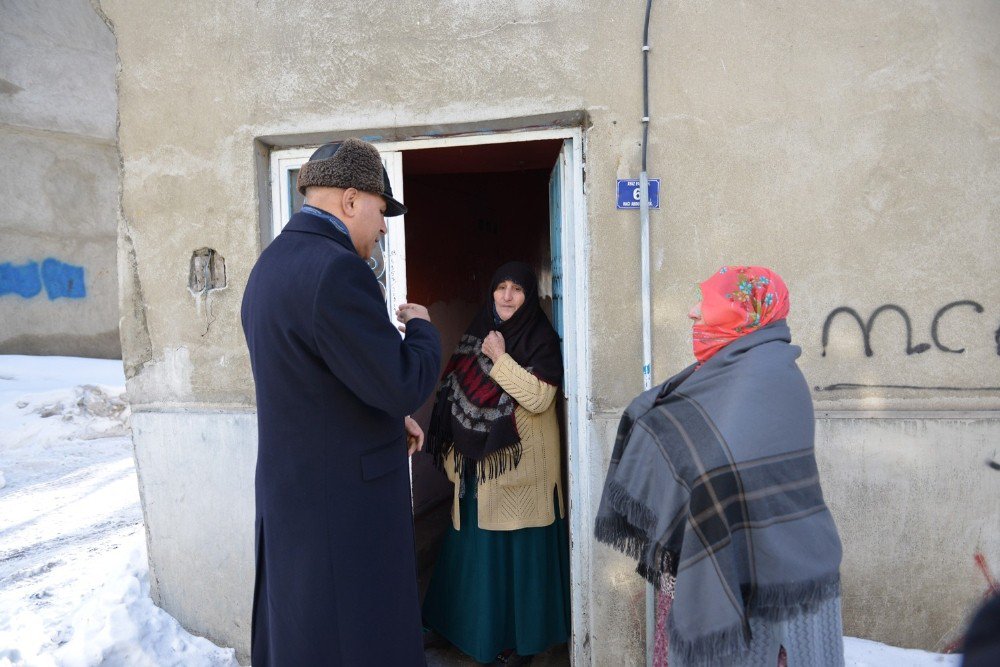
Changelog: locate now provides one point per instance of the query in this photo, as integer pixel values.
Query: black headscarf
(472, 414)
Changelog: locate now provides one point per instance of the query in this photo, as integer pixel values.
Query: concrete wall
(200, 465)
(852, 146)
(58, 181)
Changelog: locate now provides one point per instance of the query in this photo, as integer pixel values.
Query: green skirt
(494, 590)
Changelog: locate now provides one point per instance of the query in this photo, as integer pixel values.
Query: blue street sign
(628, 193)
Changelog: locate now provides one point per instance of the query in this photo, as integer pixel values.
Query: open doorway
(471, 208)
(474, 202)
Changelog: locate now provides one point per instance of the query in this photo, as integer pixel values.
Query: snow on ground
(864, 653)
(74, 580)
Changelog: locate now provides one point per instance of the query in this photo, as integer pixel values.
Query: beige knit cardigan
(521, 497)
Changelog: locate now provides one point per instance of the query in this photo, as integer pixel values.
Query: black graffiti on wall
(937, 320)
(866, 327)
(911, 348)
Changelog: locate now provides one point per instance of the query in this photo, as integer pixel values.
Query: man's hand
(414, 435)
(410, 311)
(494, 346)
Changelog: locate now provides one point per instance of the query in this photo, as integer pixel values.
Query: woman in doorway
(500, 588)
(713, 479)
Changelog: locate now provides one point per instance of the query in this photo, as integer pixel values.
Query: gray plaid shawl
(713, 479)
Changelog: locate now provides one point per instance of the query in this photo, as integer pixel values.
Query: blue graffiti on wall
(21, 280)
(63, 280)
(59, 279)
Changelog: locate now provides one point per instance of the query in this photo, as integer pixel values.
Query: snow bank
(74, 580)
(115, 624)
(47, 399)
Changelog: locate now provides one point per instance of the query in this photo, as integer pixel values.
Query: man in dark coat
(336, 580)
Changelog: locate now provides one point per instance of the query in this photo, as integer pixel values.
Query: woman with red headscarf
(736, 301)
(713, 481)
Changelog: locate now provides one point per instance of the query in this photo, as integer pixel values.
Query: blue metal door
(555, 239)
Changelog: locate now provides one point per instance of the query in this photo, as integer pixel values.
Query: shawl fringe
(619, 534)
(634, 512)
(495, 464)
(437, 448)
(779, 602)
(711, 649)
(628, 531)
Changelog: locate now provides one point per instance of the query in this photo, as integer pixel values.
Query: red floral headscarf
(735, 301)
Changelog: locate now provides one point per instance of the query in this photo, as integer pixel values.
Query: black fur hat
(351, 164)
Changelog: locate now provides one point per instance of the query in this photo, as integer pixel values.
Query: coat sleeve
(362, 348)
(531, 393)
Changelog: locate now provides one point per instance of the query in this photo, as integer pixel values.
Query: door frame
(576, 340)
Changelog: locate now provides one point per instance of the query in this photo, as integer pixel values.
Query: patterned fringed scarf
(473, 416)
(713, 479)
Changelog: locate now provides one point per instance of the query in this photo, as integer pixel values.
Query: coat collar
(311, 224)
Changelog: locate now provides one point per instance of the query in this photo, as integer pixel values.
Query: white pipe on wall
(647, 375)
(647, 308)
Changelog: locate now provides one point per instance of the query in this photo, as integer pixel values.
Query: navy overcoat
(336, 580)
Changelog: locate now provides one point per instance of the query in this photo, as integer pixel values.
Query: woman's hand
(414, 435)
(494, 346)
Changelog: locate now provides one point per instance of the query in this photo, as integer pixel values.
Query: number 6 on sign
(629, 193)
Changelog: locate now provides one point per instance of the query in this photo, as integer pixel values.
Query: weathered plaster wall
(58, 181)
(914, 503)
(852, 146)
